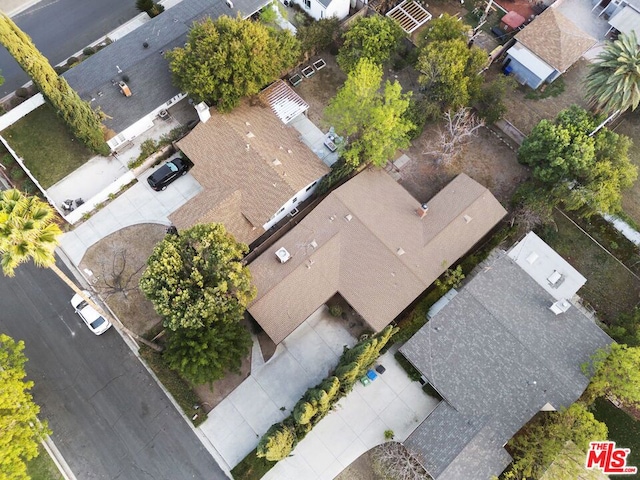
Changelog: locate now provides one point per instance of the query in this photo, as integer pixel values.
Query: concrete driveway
(139, 204)
(357, 424)
(301, 361)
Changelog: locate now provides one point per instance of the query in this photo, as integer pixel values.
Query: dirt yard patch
(485, 159)
(117, 262)
(360, 469)
(525, 113)
(319, 89)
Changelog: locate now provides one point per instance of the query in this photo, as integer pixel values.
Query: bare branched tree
(458, 129)
(119, 279)
(392, 461)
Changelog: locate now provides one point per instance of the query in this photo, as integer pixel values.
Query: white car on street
(96, 322)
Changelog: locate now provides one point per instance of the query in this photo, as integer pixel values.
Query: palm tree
(28, 231)
(613, 82)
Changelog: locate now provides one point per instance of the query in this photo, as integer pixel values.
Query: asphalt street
(110, 420)
(60, 28)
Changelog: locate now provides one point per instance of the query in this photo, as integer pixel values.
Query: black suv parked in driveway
(168, 172)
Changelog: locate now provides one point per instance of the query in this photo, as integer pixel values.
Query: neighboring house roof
(249, 165)
(497, 355)
(147, 69)
(626, 21)
(284, 102)
(547, 267)
(366, 241)
(555, 39)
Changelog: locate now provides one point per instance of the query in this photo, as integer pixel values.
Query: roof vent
(533, 256)
(313, 244)
(554, 278)
(283, 255)
(250, 135)
(145, 45)
(348, 217)
(422, 211)
(400, 251)
(124, 88)
(276, 162)
(467, 218)
(560, 306)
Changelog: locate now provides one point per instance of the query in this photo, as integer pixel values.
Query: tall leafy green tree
(375, 38)
(446, 27)
(450, 72)
(616, 371)
(374, 122)
(83, 122)
(586, 171)
(227, 59)
(538, 444)
(206, 354)
(20, 431)
(613, 81)
(197, 278)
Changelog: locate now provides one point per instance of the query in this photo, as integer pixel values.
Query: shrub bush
(22, 92)
(335, 310)
(71, 61)
(60, 69)
(88, 51)
(17, 174)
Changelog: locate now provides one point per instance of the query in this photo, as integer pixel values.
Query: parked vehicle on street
(169, 172)
(96, 322)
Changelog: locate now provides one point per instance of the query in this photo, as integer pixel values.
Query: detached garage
(546, 49)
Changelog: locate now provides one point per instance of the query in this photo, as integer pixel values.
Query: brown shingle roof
(366, 241)
(555, 39)
(249, 164)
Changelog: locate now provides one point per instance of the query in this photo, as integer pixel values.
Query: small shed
(512, 21)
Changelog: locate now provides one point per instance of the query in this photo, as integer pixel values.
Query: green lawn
(42, 467)
(610, 289)
(623, 429)
(47, 147)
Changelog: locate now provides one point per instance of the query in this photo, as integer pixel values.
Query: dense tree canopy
(27, 231)
(538, 444)
(203, 355)
(450, 72)
(374, 122)
(227, 59)
(20, 431)
(616, 372)
(585, 170)
(375, 38)
(443, 28)
(613, 81)
(83, 122)
(197, 278)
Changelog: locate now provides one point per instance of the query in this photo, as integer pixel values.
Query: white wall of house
(142, 125)
(337, 8)
(291, 204)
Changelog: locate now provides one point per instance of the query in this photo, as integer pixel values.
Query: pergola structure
(410, 15)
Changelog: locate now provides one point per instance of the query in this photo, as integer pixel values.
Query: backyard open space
(630, 126)
(525, 113)
(49, 150)
(610, 289)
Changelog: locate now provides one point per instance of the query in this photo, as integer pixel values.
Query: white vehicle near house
(96, 322)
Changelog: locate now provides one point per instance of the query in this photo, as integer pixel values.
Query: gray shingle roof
(497, 355)
(147, 69)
